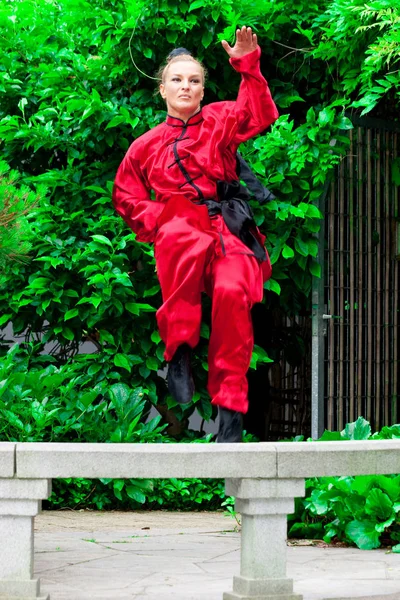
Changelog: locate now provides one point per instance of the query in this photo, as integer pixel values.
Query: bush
(361, 510)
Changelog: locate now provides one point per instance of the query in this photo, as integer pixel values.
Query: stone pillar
(19, 503)
(264, 505)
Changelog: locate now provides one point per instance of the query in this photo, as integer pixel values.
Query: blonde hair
(173, 58)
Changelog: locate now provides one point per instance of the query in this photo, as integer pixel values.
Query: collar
(176, 122)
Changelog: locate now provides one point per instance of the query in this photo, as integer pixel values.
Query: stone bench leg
(19, 503)
(264, 505)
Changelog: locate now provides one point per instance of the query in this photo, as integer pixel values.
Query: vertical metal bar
(341, 264)
(369, 267)
(388, 259)
(396, 275)
(332, 307)
(317, 341)
(360, 273)
(378, 418)
(352, 411)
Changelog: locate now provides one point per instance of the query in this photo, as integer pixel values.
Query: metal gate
(356, 327)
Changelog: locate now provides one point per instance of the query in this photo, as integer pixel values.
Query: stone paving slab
(186, 556)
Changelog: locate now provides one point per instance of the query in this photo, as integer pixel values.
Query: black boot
(230, 426)
(179, 379)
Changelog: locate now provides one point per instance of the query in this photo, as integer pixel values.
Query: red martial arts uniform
(182, 162)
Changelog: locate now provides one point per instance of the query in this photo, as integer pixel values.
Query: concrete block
(269, 506)
(16, 552)
(25, 488)
(235, 596)
(7, 459)
(50, 460)
(263, 546)
(324, 459)
(257, 587)
(8, 597)
(21, 590)
(19, 507)
(265, 488)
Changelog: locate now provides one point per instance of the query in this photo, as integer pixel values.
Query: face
(183, 89)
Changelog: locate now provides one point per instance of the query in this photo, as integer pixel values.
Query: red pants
(194, 254)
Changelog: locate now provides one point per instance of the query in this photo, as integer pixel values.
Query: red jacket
(187, 159)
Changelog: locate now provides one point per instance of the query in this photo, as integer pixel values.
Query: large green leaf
(379, 505)
(363, 534)
(359, 430)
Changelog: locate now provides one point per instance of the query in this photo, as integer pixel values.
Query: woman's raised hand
(246, 41)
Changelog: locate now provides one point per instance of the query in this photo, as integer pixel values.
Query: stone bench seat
(264, 478)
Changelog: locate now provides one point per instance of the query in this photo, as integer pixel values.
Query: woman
(203, 233)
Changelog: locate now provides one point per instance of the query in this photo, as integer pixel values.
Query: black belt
(237, 214)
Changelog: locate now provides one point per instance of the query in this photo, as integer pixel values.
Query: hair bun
(177, 52)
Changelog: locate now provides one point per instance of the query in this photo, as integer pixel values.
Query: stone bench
(264, 478)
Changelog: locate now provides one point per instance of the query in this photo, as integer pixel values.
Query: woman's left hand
(246, 41)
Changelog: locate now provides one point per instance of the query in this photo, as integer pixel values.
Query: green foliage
(361, 46)
(61, 404)
(71, 102)
(15, 203)
(361, 510)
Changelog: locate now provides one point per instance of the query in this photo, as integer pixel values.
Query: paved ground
(186, 556)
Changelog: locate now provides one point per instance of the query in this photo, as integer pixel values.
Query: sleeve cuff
(247, 61)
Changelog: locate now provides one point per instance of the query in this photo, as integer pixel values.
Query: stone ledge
(265, 460)
(7, 459)
(326, 459)
(52, 460)
(34, 489)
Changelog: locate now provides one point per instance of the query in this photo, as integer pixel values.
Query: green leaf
(313, 212)
(396, 171)
(40, 282)
(363, 534)
(93, 369)
(119, 392)
(155, 337)
(152, 363)
(73, 312)
(119, 484)
(358, 430)
(101, 239)
(205, 331)
(171, 36)
(396, 549)
(379, 505)
(315, 268)
(96, 188)
(106, 336)
(22, 103)
(259, 355)
(120, 360)
(196, 4)
(380, 527)
(326, 116)
(115, 121)
(319, 502)
(344, 123)
(287, 252)
(68, 333)
(87, 398)
(273, 286)
(5, 318)
(301, 246)
(206, 38)
(136, 308)
(151, 291)
(135, 494)
(330, 436)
